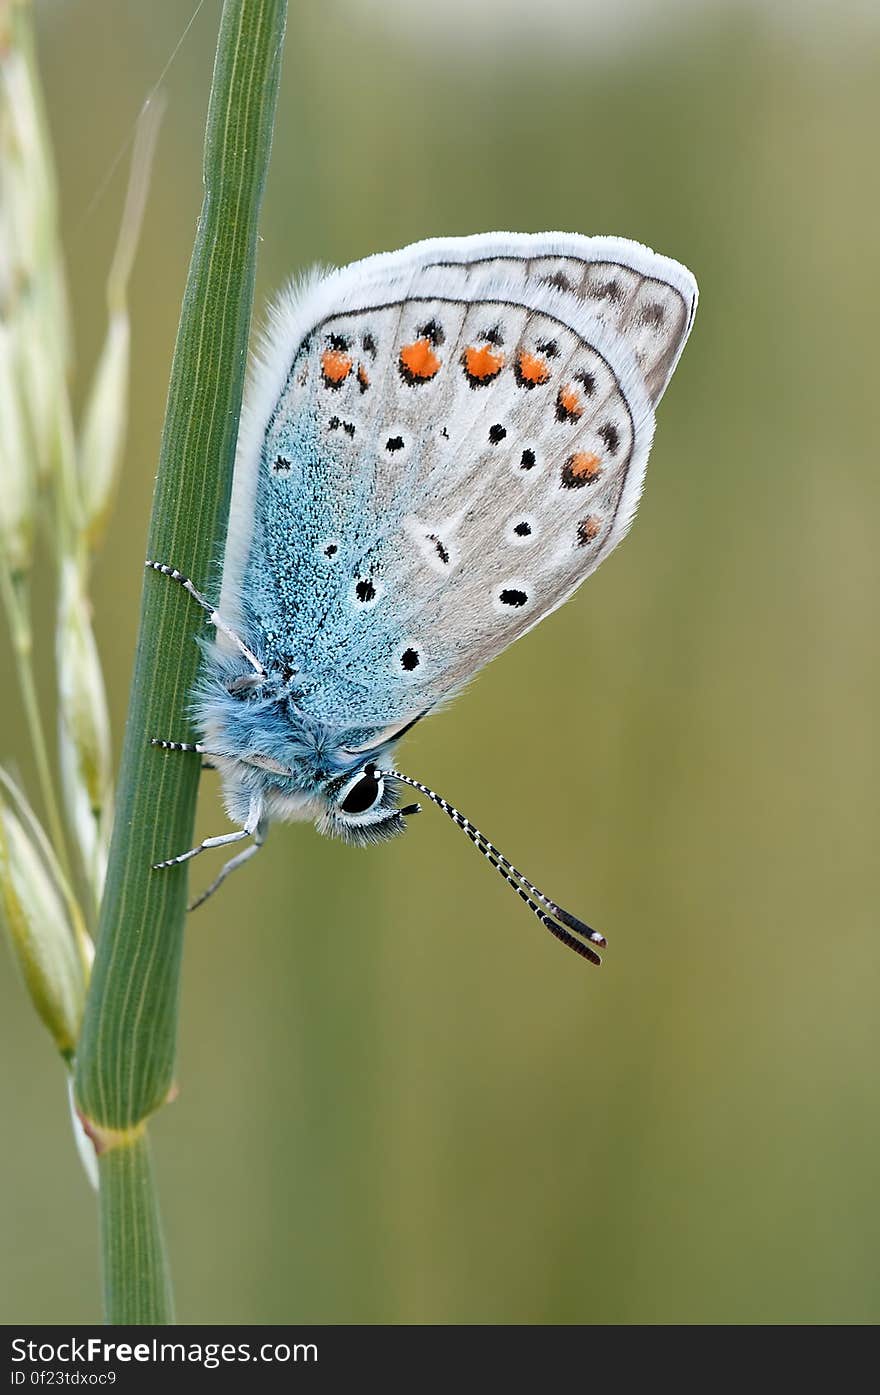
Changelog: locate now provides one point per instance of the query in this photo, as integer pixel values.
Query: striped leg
(216, 619)
(255, 814)
(260, 762)
(234, 862)
(195, 746)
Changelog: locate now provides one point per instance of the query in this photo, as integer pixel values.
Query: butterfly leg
(260, 762)
(216, 619)
(252, 824)
(195, 746)
(234, 862)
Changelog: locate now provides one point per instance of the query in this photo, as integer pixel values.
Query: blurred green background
(400, 1100)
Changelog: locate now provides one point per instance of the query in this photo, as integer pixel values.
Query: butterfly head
(362, 807)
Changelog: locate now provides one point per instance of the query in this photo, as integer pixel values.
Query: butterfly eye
(363, 793)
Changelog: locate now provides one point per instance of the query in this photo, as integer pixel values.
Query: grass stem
(127, 1051)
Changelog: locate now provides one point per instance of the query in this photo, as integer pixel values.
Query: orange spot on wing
(482, 363)
(588, 530)
(569, 406)
(418, 362)
(335, 366)
(363, 377)
(581, 468)
(531, 369)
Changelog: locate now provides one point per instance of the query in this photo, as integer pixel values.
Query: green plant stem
(126, 1055)
(17, 611)
(136, 1281)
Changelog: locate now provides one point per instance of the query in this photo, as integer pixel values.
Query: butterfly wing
(440, 445)
(649, 299)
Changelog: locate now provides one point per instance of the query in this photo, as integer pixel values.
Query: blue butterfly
(438, 446)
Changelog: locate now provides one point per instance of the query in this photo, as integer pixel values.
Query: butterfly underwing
(438, 446)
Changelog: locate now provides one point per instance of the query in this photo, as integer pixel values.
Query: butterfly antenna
(514, 878)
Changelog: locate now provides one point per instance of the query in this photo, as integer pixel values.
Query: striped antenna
(521, 885)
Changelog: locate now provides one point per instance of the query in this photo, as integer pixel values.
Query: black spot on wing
(433, 331)
(610, 435)
(441, 550)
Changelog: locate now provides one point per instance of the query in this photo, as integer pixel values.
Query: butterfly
(438, 445)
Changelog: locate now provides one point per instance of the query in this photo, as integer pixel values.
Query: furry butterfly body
(438, 446)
